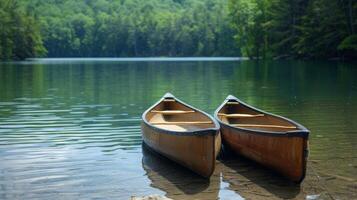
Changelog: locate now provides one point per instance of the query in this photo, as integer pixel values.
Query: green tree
(135, 28)
(19, 33)
(248, 18)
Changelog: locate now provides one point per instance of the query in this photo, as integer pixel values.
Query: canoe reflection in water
(253, 181)
(235, 177)
(177, 181)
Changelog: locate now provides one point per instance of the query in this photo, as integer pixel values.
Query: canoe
(183, 134)
(274, 141)
(177, 182)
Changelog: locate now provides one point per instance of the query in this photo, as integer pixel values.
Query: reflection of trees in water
(307, 92)
(141, 83)
(178, 182)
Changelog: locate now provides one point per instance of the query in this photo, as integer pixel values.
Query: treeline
(125, 28)
(19, 33)
(295, 28)
(91, 28)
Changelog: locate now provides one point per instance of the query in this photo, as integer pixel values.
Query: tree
(19, 33)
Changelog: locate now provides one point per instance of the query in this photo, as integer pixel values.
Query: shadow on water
(177, 181)
(252, 180)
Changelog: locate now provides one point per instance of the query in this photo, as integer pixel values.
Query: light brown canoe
(274, 141)
(175, 181)
(183, 134)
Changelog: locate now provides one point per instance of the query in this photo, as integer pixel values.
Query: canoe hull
(282, 153)
(196, 152)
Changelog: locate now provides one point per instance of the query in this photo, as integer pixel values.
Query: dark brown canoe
(183, 134)
(271, 140)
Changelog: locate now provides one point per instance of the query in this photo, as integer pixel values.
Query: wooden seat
(170, 112)
(193, 122)
(263, 126)
(240, 115)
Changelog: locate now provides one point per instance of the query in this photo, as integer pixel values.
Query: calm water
(70, 129)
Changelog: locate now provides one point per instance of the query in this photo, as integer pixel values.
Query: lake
(70, 128)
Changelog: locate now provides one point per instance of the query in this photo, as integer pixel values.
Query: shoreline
(136, 59)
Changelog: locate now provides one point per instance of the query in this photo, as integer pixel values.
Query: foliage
(349, 46)
(123, 28)
(349, 43)
(19, 33)
(299, 28)
(118, 28)
(248, 17)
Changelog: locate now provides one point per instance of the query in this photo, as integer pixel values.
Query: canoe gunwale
(301, 132)
(199, 132)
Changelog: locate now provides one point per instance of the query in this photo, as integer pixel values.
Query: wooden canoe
(175, 181)
(272, 140)
(183, 134)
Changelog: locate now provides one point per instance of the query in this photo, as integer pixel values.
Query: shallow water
(71, 128)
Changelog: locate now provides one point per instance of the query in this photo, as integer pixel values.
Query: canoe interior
(242, 116)
(171, 115)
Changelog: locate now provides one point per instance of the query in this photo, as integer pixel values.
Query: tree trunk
(135, 44)
(350, 13)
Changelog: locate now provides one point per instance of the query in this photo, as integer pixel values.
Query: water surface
(71, 128)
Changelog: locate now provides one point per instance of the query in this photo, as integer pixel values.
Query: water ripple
(72, 130)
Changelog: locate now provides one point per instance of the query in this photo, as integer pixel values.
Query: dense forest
(20, 35)
(121, 28)
(295, 28)
(125, 28)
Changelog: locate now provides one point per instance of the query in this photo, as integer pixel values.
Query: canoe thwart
(240, 115)
(172, 111)
(174, 123)
(169, 100)
(263, 126)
